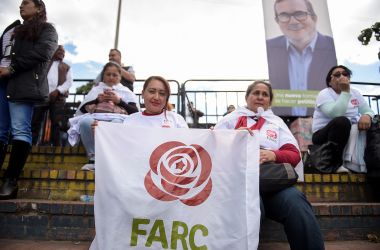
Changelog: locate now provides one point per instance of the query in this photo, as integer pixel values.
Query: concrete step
(74, 221)
(68, 184)
(343, 187)
(54, 173)
(8, 244)
(47, 157)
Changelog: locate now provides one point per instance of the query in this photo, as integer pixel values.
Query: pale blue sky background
(187, 39)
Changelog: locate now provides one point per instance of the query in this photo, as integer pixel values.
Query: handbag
(275, 177)
(372, 150)
(324, 158)
(105, 107)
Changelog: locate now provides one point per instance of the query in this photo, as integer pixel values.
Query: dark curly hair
(328, 76)
(31, 29)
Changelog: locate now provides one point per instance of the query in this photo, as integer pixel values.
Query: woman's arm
(367, 114)
(130, 107)
(337, 108)
(288, 153)
(43, 50)
(364, 109)
(83, 108)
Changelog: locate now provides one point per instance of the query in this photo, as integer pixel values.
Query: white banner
(175, 189)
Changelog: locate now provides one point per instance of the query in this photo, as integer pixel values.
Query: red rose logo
(272, 134)
(355, 102)
(179, 172)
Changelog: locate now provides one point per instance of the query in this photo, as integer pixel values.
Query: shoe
(9, 189)
(342, 169)
(90, 166)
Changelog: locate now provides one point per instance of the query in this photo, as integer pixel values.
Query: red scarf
(242, 122)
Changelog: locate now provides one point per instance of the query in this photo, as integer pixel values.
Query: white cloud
(183, 39)
(348, 19)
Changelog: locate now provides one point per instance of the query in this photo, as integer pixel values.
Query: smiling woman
(156, 93)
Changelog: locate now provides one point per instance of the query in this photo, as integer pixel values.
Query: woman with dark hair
(25, 53)
(338, 107)
(108, 101)
(156, 93)
(277, 145)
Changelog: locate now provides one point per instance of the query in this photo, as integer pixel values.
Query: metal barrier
(214, 102)
(211, 96)
(208, 96)
(74, 99)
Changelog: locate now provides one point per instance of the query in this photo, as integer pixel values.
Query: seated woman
(288, 206)
(108, 101)
(336, 108)
(156, 93)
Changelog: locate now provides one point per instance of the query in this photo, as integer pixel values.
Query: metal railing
(212, 96)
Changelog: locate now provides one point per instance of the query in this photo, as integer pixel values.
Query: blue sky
(187, 39)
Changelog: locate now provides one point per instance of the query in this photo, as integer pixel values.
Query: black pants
(337, 130)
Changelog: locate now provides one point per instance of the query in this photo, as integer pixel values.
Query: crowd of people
(34, 83)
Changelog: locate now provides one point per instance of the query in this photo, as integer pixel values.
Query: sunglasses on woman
(339, 74)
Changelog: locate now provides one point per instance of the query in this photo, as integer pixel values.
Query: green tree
(84, 89)
(366, 34)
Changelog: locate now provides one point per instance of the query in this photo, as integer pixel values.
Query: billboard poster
(300, 51)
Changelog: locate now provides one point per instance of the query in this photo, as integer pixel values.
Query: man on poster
(301, 57)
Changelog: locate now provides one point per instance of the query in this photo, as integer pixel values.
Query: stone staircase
(49, 207)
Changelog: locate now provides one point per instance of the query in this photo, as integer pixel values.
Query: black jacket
(30, 60)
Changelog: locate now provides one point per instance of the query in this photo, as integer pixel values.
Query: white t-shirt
(167, 119)
(327, 95)
(6, 61)
(52, 77)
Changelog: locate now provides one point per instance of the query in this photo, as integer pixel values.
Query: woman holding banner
(156, 93)
(288, 206)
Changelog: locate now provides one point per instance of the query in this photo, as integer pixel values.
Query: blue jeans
(87, 135)
(291, 208)
(15, 118)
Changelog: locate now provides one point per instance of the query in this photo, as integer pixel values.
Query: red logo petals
(179, 172)
(272, 134)
(355, 102)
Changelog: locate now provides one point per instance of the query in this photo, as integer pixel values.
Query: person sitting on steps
(337, 108)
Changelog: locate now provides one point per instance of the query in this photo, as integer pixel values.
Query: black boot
(9, 189)
(3, 153)
(17, 159)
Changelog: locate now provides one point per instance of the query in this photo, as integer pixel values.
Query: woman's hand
(344, 83)
(113, 97)
(267, 156)
(246, 128)
(101, 97)
(4, 72)
(364, 122)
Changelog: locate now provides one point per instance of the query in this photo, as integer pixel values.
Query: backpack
(372, 150)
